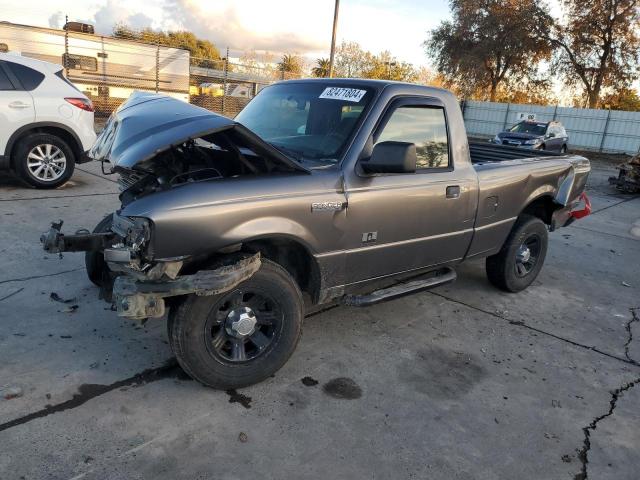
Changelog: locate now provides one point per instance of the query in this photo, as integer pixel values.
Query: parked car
(46, 124)
(535, 135)
(318, 191)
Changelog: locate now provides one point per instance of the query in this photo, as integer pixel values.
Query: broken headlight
(135, 231)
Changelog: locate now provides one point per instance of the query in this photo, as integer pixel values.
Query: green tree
(489, 43)
(203, 52)
(386, 67)
(598, 47)
(290, 66)
(321, 70)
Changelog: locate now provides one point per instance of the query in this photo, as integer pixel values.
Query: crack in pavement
(542, 332)
(613, 205)
(583, 453)
(634, 318)
(23, 279)
(598, 231)
(87, 392)
(11, 294)
(54, 197)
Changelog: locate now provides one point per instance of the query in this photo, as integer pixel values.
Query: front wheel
(97, 269)
(242, 336)
(520, 260)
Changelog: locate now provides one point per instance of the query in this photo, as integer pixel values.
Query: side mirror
(551, 135)
(391, 157)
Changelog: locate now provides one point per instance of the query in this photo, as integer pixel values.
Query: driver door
(403, 222)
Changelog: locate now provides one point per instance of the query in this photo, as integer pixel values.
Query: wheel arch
(293, 255)
(542, 207)
(52, 128)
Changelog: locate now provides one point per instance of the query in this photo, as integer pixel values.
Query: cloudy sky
(296, 26)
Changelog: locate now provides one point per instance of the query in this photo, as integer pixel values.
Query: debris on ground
(12, 392)
(57, 298)
(70, 309)
(625, 284)
(628, 179)
(243, 437)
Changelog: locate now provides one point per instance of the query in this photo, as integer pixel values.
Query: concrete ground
(463, 382)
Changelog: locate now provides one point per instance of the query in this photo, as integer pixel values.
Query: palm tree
(321, 69)
(290, 64)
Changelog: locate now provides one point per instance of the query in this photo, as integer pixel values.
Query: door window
(426, 127)
(5, 84)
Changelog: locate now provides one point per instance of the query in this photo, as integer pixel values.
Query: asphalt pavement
(461, 382)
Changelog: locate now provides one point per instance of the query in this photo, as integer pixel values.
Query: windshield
(307, 121)
(529, 127)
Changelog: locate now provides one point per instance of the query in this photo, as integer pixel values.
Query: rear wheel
(520, 260)
(44, 160)
(563, 149)
(242, 336)
(97, 269)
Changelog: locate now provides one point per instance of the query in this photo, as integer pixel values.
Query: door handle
(19, 105)
(453, 191)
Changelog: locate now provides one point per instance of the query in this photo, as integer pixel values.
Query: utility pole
(333, 38)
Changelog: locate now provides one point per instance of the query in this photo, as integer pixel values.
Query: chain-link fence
(109, 68)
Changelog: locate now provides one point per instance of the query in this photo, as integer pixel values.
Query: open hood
(148, 124)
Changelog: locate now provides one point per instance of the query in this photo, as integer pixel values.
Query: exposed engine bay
(215, 156)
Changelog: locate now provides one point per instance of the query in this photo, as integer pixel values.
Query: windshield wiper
(297, 156)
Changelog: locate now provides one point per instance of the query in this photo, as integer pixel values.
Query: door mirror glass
(391, 157)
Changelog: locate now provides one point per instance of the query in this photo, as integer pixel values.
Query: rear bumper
(567, 215)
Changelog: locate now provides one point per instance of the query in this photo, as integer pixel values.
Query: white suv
(46, 124)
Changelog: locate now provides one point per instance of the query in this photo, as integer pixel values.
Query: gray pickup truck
(321, 191)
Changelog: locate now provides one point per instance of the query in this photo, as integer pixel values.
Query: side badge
(327, 206)
(369, 237)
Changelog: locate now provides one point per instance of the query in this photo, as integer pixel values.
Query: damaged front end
(139, 285)
(157, 144)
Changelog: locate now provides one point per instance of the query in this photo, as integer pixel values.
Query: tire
(203, 339)
(58, 160)
(563, 149)
(508, 269)
(97, 269)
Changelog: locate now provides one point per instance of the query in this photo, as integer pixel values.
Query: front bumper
(138, 298)
(140, 286)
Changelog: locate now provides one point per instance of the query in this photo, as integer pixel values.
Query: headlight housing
(533, 141)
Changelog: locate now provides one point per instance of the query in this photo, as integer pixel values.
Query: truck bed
(485, 152)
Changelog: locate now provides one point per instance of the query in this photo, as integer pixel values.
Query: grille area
(126, 180)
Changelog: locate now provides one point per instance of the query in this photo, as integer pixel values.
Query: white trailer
(107, 69)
